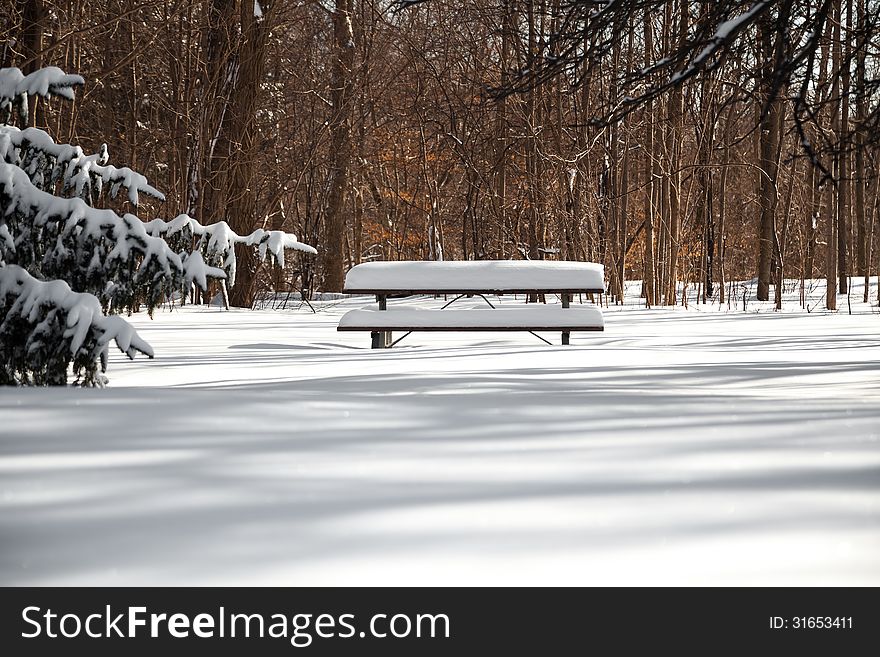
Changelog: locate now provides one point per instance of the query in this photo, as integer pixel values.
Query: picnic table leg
(566, 301)
(381, 339)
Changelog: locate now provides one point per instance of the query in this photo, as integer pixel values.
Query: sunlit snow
(683, 446)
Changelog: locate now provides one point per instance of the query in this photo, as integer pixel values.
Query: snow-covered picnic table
(473, 278)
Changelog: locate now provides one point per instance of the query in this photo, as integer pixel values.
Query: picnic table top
(486, 276)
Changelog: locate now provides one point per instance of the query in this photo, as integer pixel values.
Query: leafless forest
(702, 142)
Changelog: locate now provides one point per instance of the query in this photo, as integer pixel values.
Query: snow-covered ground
(680, 446)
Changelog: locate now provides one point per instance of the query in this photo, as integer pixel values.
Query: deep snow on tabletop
(680, 446)
(476, 275)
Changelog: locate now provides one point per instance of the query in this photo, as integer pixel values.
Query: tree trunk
(34, 17)
(242, 204)
(342, 79)
(648, 283)
(673, 149)
(771, 46)
(863, 236)
(831, 208)
(843, 181)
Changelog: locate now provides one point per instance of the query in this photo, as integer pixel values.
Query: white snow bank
(478, 275)
(533, 316)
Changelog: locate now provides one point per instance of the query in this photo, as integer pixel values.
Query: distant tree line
(673, 141)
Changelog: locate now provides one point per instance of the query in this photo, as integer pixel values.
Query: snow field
(677, 447)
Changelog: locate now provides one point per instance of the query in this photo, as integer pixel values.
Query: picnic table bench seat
(387, 280)
(520, 318)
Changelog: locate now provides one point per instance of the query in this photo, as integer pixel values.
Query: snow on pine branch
(216, 242)
(94, 250)
(46, 162)
(45, 325)
(15, 87)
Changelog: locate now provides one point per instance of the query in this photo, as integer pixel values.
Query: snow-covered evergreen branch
(216, 242)
(46, 325)
(94, 250)
(15, 87)
(47, 163)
